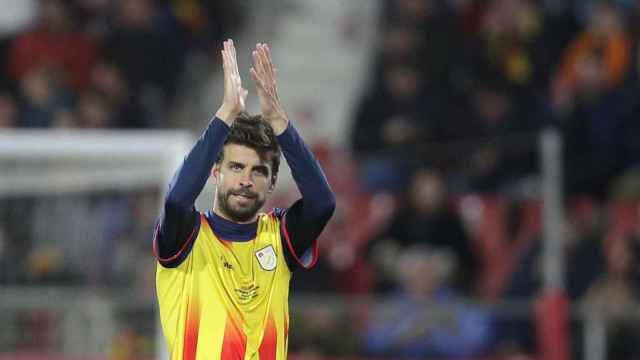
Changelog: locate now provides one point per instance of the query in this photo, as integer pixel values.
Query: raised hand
(235, 96)
(263, 74)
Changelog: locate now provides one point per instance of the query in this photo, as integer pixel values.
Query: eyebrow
(263, 168)
(232, 163)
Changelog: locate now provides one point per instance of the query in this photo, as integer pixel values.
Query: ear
(272, 186)
(215, 173)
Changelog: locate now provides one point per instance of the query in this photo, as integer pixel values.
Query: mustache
(246, 193)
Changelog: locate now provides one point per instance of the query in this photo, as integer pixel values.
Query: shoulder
(277, 213)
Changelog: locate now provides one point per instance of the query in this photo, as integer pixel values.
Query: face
(243, 182)
(427, 191)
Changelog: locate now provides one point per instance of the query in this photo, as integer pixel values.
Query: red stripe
(176, 255)
(314, 255)
(191, 332)
(286, 328)
(226, 243)
(269, 341)
(234, 344)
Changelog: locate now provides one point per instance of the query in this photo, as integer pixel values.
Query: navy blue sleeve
(179, 221)
(306, 218)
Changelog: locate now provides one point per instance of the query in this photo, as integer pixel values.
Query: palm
(263, 74)
(234, 94)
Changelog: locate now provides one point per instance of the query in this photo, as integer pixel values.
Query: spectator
(56, 43)
(604, 40)
(501, 138)
(93, 111)
(427, 219)
(591, 103)
(149, 58)
(614, 295)
(108, 80)
(411, 328)
(8, 111)
(42, 96)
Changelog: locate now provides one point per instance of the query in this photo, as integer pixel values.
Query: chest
(245, 273)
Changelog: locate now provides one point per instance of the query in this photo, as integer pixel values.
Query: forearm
(317, 196)
(307, 217)
(190, 179)
(179, 218)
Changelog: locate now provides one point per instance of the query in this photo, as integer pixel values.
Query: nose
(246, 181)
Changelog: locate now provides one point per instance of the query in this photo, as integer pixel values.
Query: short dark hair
(254, 132)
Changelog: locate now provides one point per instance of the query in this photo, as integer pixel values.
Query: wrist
(279, 123)
(226, 115)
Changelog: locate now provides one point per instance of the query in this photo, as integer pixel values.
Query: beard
(240, 212)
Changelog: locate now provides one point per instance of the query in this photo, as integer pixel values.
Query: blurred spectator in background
(56, 43)
(22, 14)
(584, 261)
(588, 98)
(208, 22)
(109, 81)
(389, 122)
(410, 328)
(8, 111)
(93, 111)
(514, 48)
(615, 294)
(148, 55)
(425, 217)
(499, 136)
(42, 95)
(316, 331)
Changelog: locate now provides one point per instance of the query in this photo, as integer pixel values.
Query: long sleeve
(307, 217)
(179, 219)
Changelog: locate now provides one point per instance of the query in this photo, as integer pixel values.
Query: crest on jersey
(267, 258)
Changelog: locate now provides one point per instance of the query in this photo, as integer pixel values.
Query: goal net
(76, 213)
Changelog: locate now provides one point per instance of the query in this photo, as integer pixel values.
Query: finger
(256, 80)
(270, 67)
(228, 55)
(256, 62)
(267, 65)
(253, 74)
(235, 58)
(225, 65)
(266, 75)
(230, 82)
(264, 64)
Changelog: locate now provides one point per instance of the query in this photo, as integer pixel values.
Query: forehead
(242, 154)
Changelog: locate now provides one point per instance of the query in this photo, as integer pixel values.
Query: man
(223, 275)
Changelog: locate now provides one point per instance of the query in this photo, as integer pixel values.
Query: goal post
(64, 161)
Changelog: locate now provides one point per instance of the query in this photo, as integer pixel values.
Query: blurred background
(484, 154)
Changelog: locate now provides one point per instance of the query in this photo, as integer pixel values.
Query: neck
(221, 213)
(229, 230)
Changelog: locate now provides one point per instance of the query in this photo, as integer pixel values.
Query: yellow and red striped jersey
(227, 299)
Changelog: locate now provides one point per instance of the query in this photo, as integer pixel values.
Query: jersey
(227, 299)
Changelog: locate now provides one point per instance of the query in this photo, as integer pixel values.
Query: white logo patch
(267, 258)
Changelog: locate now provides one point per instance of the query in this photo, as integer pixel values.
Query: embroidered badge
(267, 258)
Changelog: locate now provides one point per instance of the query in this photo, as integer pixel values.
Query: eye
(261, 172)
(235, 167)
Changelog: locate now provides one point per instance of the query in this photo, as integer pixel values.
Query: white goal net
(76, 213)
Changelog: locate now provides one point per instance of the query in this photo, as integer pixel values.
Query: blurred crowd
(446, 139)
(94, 64)
(101, 63)
(465, 86)
(439, 196)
